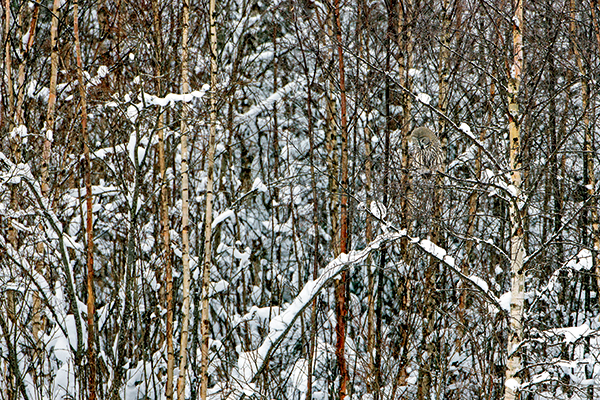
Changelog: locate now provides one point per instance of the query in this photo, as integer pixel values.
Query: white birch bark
(517, 244)
(204, 326)
(185, 257)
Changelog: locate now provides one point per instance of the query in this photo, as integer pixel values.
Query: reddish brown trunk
(341, 307)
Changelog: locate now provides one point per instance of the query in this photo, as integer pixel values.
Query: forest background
(203, 200)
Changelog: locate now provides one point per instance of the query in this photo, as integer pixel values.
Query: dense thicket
(424, 296)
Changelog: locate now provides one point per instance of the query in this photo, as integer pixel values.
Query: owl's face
(423, 138)
(423, 142)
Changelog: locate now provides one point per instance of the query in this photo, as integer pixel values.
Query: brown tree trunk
(364, 45)
(593, 6)
(591, 213)
(204, 327)
(405, 44)
(340, 288)
(50, 115)
(164, 213)
(8, 66)
(444, 71)
(89, 221)
(25, 56)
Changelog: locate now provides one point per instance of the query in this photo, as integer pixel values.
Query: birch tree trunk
(517, 243)
(185, 256)
(89, 221)
(332, 149)
(204, 327)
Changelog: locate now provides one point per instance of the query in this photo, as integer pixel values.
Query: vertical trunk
(405, 46)
(185, 254)
(25, 56)
(88, 197)
(8, 65)
(164, 213)
(431, 273)
(364, 45)
(341, 306)
(315, 218)
(555, 161)
(50, 115)
(47, 132)
(275, 140)
(404, 64)
(517, 243)
(331, 138)
(377, 392)
(593, 6)
(444, 70)
(471, 223)
(588, 152)
(204, 327)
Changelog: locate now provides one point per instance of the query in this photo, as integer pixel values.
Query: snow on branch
(252, 363)
(574, 333)
(269, 101)
(172, 98)
(479, 284)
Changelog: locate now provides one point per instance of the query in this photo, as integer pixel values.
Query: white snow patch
(131, 146)
(512, 384)
(299, 375)
(102, 71)
(583, 260)
(424, 98)
(218, 287)
(505, 300)
(378, 210)
(259, 185)
(132, 113)
(173, 98)
(572, 334)
(19, 131)
(221, 217)
(466, 129)
(433, 249)
(479, 282)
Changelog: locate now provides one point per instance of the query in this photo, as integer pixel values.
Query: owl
(426, 150)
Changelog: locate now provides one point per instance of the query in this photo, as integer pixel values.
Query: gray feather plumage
(426, 150)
